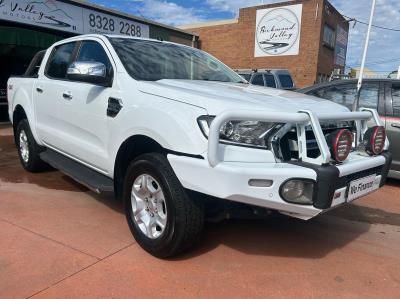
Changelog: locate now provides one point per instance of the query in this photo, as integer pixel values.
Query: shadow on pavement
(280, 236)
(393, 182)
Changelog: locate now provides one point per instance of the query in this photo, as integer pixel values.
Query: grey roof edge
(125, 15)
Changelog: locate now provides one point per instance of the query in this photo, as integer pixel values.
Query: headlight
(244, 133)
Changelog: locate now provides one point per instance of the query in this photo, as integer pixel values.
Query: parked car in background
(380, 94)
(275, 78)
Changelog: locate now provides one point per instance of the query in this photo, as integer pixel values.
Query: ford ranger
(164, 126)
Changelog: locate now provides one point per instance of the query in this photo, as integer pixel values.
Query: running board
(82, 174)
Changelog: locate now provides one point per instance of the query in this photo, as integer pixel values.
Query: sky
(383, 54)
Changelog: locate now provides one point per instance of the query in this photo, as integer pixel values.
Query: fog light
(374, 140)
(340, 144)
(298, 191)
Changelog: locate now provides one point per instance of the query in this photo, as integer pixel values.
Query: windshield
(152, 60)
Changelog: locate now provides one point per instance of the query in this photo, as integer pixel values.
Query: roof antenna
(360, 78)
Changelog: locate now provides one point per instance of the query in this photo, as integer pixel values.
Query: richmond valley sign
(278, 31)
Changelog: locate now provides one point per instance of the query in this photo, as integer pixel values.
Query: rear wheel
(28, 149)
(161, 216)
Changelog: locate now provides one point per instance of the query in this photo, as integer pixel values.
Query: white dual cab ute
(167, 128)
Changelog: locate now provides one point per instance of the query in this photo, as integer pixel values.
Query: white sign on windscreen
(67, 17)
(278, 31)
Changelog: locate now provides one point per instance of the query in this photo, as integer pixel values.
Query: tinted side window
(369, 95)
(341, 94)
(60, 60)
(270, 81)
(258, 80)
(286, 81)
(396, 100)
(34, 66)
(93, 51)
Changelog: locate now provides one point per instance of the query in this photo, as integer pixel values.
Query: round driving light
(374, 140)
(340, 143)
(297, 191)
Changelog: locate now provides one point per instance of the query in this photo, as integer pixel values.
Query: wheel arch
(130, 149)
(22, 108)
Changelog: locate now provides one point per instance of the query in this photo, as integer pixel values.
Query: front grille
(345, 181)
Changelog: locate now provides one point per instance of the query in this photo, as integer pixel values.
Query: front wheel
(161, 216)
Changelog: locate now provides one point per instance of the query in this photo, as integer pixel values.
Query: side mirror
(89, 72)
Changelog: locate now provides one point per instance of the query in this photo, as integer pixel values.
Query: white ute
(167, 128)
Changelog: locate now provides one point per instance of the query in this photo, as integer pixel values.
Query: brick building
(308, 37)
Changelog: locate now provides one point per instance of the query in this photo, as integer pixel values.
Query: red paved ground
(59, 240)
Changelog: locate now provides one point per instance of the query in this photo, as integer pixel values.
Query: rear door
(47, 94)
(393, 122)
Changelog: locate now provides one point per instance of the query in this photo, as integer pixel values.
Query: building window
(329, 37)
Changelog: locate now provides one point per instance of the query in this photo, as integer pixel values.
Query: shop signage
(341, 46)
(67, 17)
(278, 31)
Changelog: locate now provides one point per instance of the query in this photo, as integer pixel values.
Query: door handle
(67, 95)
(396, 126)
(39, 89)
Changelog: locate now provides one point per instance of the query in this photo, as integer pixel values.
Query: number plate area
(363, 186)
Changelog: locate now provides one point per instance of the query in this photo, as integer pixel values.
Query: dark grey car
(380, 94)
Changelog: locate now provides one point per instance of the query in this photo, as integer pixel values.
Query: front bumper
(230, 180)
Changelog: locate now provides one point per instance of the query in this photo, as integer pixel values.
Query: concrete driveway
(59, 240)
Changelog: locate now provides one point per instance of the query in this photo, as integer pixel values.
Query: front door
(83, 112)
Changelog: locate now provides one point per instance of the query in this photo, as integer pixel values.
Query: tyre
(28, 149)
(161, 216)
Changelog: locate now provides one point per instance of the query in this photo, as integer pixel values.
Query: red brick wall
(234, 43)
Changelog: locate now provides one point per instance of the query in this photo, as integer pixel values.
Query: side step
(82, 174)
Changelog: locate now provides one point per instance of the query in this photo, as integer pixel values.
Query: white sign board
(67, 17)
(278, 31)
(96, 22)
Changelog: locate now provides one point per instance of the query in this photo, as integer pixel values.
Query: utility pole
(360, 78)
